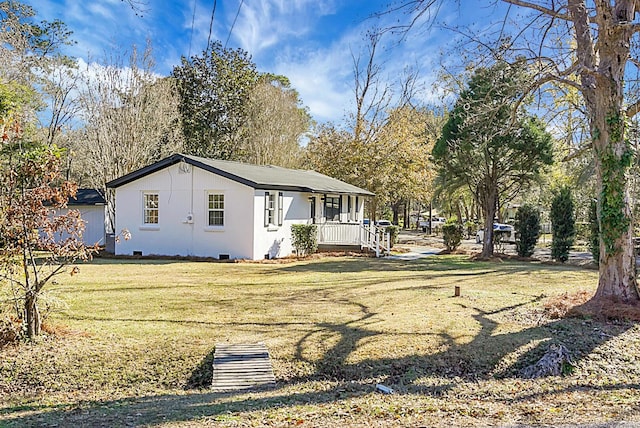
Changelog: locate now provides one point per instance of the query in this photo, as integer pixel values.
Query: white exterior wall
(180, 194)
(274, 240)
(93, 216)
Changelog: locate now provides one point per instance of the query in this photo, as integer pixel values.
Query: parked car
(436, 223)
(383, 223)
(506, 231)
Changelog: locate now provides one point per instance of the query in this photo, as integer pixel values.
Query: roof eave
(176, 158)
(172, 160)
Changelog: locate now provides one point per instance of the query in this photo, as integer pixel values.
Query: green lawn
(135, 338)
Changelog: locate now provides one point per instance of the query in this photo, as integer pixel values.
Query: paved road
(422, 245)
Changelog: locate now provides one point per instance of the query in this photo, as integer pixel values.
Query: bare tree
(372, 96)
(380, 148)
(59, 89)
(131, 117)
(275, 124)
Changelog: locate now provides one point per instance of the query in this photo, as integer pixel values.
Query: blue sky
(309, 41)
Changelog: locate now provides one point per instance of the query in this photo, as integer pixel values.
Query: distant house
(91, 205)
(192, 206)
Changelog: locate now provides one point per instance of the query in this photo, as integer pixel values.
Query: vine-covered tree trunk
(602, 81)
(617, 264)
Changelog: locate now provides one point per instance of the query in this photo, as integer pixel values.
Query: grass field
(133, 344)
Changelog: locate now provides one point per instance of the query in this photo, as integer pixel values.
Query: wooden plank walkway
(241, 366)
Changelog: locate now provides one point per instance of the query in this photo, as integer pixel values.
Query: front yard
(133, 341)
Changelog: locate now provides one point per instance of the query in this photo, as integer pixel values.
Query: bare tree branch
(551, 12)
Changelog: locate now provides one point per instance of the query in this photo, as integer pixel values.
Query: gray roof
(256, 176)
(87, 197)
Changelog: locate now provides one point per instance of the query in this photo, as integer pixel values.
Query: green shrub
(304, 238)
(393, 234)
(562, 224)
(452, 233)
(594, 228)
(527, 227)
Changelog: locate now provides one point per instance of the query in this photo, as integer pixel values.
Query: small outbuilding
(192, 206)
(91, 204)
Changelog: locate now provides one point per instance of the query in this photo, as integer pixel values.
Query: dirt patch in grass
(608, 310)
(581, 304)
(558, 307)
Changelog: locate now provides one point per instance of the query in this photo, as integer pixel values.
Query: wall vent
(184, 168)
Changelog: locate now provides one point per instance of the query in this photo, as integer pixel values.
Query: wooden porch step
(241, 366)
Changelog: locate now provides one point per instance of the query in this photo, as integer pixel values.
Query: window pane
(216, 218)
(150, 208)
(216, 209)
(332, 208)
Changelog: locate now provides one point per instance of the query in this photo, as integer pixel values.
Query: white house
(192, 206)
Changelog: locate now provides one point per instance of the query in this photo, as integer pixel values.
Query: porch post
(388, 243)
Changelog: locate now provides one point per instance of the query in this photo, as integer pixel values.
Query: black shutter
(266, 209)
(280, 208)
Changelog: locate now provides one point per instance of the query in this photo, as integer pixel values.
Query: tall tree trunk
(396, 212)
(602, 66)
(489, 212)
(407, 207)
(617, 279)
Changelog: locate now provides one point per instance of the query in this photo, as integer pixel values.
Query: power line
(193, 19)
(234, 23)
(213, 12)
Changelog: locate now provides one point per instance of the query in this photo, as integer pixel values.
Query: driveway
(415, 252)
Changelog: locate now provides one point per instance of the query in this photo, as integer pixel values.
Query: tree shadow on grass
(489, 354)
(203, 374)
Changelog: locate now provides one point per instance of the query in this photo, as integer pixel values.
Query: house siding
(183, 192)
(94, 227)
(275, 241)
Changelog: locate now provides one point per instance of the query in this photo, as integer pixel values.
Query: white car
(506, 230)
(383, 223)
(436, 223)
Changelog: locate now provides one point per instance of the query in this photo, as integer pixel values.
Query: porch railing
(355, 234)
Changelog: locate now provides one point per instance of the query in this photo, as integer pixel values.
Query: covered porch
(340, 223)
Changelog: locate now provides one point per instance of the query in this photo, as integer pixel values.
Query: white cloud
(324, 76)
(261, 25)
(309, 41)
(322, 82)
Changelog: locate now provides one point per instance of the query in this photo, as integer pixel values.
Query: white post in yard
(377, 238)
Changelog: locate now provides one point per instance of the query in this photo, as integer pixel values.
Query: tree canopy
(215, 88)
(485, 148)
(275, 124)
